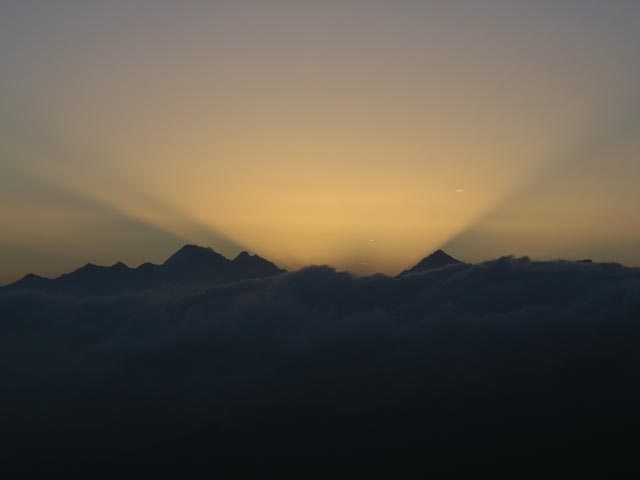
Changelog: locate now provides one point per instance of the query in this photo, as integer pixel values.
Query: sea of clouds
(317, 363)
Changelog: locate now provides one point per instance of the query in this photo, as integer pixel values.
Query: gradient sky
(363, 134)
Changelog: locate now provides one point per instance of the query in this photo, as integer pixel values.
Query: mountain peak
(243, 255)
(33, 276)
(255, 264)
(192, 250)
(87, 267)
(30, 281)
(437, 259)
(190, 254)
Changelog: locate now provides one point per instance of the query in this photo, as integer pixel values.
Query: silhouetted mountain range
(189, 266)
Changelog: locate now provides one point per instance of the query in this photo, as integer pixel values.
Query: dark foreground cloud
(510, 358)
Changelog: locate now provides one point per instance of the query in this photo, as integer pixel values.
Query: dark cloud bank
(468, 364)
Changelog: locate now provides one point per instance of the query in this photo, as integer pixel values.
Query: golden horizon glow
(302, 134)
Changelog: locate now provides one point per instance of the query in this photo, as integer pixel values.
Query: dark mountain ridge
(190, 266)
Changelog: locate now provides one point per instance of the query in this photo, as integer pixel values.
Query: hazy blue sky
(363, 134)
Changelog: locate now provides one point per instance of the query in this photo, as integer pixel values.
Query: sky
(360, 134)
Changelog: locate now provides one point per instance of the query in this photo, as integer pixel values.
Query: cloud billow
(319, 363)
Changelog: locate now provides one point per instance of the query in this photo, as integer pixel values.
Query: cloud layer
(322, 364)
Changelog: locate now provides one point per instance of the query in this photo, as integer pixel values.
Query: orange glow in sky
(359, 134)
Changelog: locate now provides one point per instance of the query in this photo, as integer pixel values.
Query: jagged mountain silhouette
(189, 266)
(192, 265)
